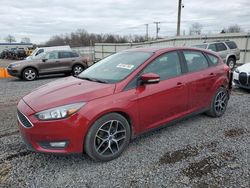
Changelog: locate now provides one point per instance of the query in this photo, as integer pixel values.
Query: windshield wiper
(93, 80)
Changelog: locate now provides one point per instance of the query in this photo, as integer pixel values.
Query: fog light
(58, 144)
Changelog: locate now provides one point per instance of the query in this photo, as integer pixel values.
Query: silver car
(227, 50)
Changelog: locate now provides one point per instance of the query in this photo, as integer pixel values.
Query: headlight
(15, 65)
(237, 71)
(59, 112)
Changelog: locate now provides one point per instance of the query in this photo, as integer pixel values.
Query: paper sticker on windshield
(125, 66)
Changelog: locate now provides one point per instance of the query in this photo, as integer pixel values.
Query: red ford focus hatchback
(120, 97)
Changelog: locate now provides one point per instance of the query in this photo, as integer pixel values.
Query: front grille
(24, 120)
(243, 78)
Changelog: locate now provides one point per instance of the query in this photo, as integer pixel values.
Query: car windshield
(115, 67)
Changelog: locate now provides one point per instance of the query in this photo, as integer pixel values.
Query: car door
(49, 63)
(66, 60)
(166, 100)
(200, 79)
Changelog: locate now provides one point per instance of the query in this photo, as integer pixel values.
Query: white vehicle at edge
(241, 76)
(40, 50)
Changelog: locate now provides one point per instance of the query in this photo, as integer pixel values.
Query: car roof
(164, 49)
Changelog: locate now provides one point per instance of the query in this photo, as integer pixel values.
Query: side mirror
(44, 60)
(150, 78)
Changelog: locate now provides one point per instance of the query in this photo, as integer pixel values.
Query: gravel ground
(198, 152)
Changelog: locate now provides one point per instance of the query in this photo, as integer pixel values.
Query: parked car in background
(19, 53)
(122, 96)
(241, 76)
(227, 50)
(40, 50)
(51, 62)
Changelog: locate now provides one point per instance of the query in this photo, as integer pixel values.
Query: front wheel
(29, 74)
(219, 103)
(108, 137)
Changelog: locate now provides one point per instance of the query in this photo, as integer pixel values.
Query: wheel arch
(231, 56)
(81, 64)
(118, 111)
(30, 67)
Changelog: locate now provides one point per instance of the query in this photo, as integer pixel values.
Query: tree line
(82, 38)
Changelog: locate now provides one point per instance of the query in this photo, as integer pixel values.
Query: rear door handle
(180, 84)
(211, 74)
(57, 61)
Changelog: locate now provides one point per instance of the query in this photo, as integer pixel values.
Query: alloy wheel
(110, 137)
(221, 102)
(77, 70)
(30, 74)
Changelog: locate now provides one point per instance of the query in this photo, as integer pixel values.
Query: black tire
(231, 62)
(29, 74)
(77, 69)
(108, 137)
(219, 103)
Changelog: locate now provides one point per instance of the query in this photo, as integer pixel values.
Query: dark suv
(52, 62)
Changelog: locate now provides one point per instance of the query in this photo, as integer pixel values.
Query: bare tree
(234, 29)
(195, 29)
(10, 39)
(25, 40)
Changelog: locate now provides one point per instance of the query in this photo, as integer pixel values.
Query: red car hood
(66, 91)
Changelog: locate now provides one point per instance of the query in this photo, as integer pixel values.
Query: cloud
(41, 19)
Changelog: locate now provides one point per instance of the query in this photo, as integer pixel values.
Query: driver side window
(166, 66)
(52, 55)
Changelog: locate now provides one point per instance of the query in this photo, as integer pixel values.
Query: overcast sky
(41, 19)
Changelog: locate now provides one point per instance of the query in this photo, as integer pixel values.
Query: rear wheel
(77, 69)
(108, 137)
(219, 103)
(29, 74)
(231, 62)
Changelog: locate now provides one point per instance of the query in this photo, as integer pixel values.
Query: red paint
(147, 106)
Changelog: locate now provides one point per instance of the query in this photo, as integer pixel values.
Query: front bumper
(13, 72)
(38, 137)
(241, 84)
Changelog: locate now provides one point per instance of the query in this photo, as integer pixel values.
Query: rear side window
(221, 47)
(212, 47)
(231, 44)
(213, 59)
(65, 55)
(74, 54)
(166, 66)
(195, 61)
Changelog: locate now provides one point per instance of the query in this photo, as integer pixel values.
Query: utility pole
(157, 29)
(179, 17)
(146, 32)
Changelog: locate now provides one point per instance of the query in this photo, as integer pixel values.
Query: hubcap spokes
(231, 64)
(221, 102)
(78, 70)
(110, 137)
(30, 75)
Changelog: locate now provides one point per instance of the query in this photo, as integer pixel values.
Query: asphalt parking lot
(197, 152)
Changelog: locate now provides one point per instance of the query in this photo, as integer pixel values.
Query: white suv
(228, 51)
